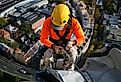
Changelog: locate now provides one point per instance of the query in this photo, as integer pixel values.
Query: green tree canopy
(26, 27)
(110, 6)
(3, 22)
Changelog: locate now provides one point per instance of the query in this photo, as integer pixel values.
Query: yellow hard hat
(60, 16)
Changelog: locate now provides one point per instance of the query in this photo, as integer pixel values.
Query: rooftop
(11, 28)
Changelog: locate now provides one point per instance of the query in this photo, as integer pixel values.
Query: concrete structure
(32, 51)
(24, 57)
(19, 55)
(99, 2)
(83, 8)
(35, 18)
(106, 68)
(3, 2)
(6, 12)
(114, 34)
(11, 29)
(6, 3)
(38, 24)
(113, 29)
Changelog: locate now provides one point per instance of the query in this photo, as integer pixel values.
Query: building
(38, 23)
(114, 34)
(45, 9)
(83, 8)
(5, 34)
(19, 55)
(35, 20)
(32, 51)
(4, 4)
(14, 31)
(110, 19)
(112, 25)
(119, 11)
(11, 29)
(99, 2)
(29, 12)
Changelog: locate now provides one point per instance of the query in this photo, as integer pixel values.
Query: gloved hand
(57, 49)
(70, 44)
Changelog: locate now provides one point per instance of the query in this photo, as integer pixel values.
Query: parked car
(6, 50)
(3, 47)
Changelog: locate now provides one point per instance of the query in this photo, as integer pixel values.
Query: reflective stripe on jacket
(47, 31)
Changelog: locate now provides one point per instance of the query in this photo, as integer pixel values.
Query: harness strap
(66, 32)
(63, 38)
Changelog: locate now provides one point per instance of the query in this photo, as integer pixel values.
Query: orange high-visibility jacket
(47, 31)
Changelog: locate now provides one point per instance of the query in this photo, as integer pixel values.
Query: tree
(112, 8)
(91, 49)
(26, 27)
(15, 45)
(1, 75)
(17, 79)
(3, 22)
(33, 36)
(86, 1)
(97, 13)
(106, 3)
(8, 43)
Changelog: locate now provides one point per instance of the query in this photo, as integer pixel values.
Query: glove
(70, 44)
(57, 49)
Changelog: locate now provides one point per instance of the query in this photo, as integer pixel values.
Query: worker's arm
(78, 32)
(44, 35)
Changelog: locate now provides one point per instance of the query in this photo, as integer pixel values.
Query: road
(12, 68)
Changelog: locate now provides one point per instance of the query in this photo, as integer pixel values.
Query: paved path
(12, 68)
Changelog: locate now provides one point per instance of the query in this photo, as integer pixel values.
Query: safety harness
(63, 41)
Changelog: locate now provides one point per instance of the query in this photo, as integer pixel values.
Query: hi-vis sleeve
(78, 32)
(44, 35)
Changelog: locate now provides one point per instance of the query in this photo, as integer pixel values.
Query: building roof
(82, 5)
(11, 28)
(38, 23)
(32, 17)
(23, 38)
(32, 51)
(4, 32)
(99, 2)
(5, 2)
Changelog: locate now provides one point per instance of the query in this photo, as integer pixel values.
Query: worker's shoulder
(48, 19)
(74, 20)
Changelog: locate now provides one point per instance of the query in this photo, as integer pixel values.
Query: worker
(58, 28)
